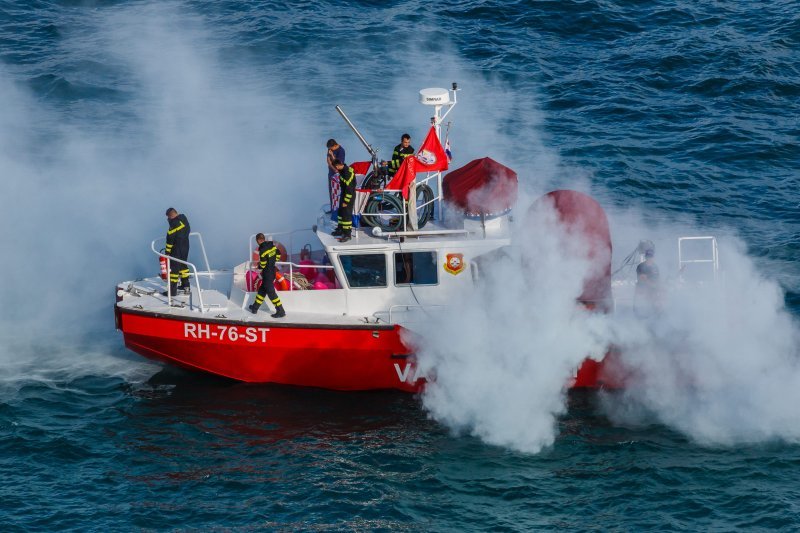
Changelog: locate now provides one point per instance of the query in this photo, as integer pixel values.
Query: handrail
(290, 233)
(714, 260)
(291, 265)
(378, 232)
(409, 306)
(194, 268)
(405, 211)
(291, 269)
(202, 246)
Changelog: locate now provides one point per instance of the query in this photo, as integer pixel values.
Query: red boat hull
(343, 358)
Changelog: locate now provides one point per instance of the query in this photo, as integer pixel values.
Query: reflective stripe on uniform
(176, 228)
(269, 252)
(349, 179)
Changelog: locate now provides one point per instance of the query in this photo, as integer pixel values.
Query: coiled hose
(384, 210)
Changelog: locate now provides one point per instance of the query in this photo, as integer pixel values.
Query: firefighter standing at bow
(267, 254)
(177, 247)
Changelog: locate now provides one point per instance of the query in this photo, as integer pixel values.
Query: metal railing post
(169, 270)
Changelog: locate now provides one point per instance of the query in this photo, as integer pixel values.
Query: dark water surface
(684, 112)
(182, 452)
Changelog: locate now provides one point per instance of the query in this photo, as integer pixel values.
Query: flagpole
(437, 124)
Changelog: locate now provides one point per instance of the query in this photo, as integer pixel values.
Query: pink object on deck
(308, 273)
(252, 280)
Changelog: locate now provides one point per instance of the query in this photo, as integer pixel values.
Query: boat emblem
(426, 157)
(455, 263)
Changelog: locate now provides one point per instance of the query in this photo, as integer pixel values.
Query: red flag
(361, 167)
(430, 157)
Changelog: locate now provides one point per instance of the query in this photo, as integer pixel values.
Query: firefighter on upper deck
(178, 247)
(401, 151)
(347, 180)
(268, 255)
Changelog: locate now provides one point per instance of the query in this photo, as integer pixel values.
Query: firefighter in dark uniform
(268, 254)
(401, 151)
(177, 247)
(647, 298)
(347, 181)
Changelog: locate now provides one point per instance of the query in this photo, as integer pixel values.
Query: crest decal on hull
(455, 264)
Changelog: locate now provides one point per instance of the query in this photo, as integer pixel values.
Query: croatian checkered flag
(362, 195)
(335, 188)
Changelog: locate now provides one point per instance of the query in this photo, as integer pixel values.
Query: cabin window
(367, 270)
(415, 268)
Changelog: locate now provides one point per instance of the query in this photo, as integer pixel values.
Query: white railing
(292, 266)
(404, 212)
(713, 261)
(190, 265)
(408, 307)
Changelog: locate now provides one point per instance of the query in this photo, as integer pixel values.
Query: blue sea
(679, 117)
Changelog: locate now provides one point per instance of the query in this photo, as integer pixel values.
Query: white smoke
(501, 359)
(720, 364)
(86, 185)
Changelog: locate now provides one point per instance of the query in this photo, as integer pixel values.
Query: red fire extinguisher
(163, 261)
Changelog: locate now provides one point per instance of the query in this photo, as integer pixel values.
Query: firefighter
(647, 297)
(401, 151)
(268, 254)
(347, 181)
(177, 247)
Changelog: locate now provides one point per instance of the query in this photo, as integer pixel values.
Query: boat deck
(144, 296)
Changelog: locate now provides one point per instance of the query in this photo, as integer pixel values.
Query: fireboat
(349, 303)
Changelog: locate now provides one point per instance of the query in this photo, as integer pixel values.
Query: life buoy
(282, 250)
(281, 283)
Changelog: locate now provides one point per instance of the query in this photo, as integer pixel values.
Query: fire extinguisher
(163, 261)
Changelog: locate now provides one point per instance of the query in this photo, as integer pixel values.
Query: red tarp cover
(583, 217)
(482, 186)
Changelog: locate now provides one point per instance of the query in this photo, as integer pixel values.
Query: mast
(437, 98)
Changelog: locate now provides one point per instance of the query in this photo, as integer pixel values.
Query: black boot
(279, 312)
(338, 231)
(253, 308)
(345, 237)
